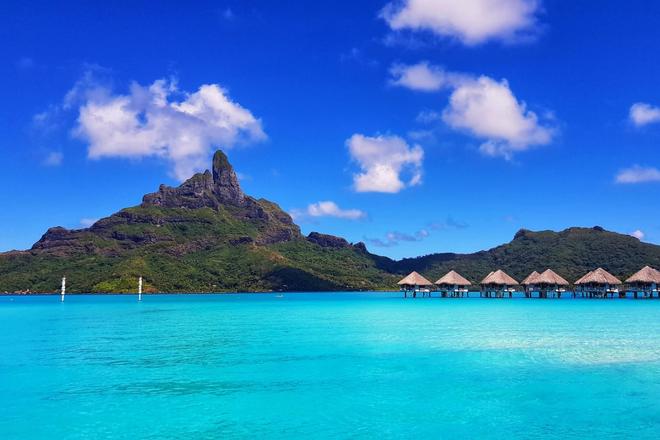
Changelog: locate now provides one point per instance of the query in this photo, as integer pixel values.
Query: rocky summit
(216, 191)
(209, 189)
(206, 235)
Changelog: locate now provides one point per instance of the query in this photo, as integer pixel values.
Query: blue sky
(416, 126)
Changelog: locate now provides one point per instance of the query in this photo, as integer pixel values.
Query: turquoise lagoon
(327, 366)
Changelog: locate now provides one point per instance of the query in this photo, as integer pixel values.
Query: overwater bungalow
(414, 283)
(498, 284)
(578, 288)
(579, 280)
(598, 284)
(453, 284)
(550, 284)
(528, 284)
(646, 281)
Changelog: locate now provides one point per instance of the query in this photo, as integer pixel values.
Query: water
(327, 366)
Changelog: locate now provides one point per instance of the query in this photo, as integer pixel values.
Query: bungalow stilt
(645, 281)
(598, 284)
(551, 284)
(413, 284)
(453, 284)
(498, 284)
(528, 284)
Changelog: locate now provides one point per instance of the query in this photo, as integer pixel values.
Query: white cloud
(470, 21)
(489, 110)
(330, 209)
(161, 121)
(53, 159)
(327, 209)
(449, 223)
(643, 114)
(481, 106)
(638, 234)
(423, 77)
(87, 222)
(638, 174)
(382, 160)
(394, 238)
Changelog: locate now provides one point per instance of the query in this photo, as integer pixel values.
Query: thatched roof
(599, 276)
(530, 279)
(647, 275)
(453, 278)
(414, 279)
(549, 276)
(499, 278)
(579, 280)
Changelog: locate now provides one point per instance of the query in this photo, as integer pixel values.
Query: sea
(327, 366)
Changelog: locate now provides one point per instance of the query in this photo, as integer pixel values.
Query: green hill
(571, 253)
(207, 236)
(203, 236)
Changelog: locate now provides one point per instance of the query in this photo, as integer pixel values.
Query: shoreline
(517, 295)
(194, 293)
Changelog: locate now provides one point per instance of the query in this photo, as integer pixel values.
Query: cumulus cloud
(638, 234)
(395, 238)
(383, 160)
(327, 209)
(643, 114)
(470, 21)
(488, 109)
(159, 120)
(480, 106)
(638, 174)
(423, 77)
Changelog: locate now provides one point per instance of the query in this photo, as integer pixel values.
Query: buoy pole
(140, 289)
(63, 292)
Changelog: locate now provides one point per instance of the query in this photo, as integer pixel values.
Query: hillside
(571, 253)
(208, 236)
(204, 236)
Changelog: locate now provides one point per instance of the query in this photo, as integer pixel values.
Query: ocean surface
(327, 366)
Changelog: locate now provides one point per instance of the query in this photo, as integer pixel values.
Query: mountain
(208, 236)
(571, 253)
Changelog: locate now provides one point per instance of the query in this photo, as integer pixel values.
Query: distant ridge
(208, 236)
(571, 253)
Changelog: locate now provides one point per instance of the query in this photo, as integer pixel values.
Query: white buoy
(63, 288)
(140, 289)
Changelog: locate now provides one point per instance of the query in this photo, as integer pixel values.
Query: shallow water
(327, 366)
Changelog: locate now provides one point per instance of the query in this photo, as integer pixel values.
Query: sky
(416, 126)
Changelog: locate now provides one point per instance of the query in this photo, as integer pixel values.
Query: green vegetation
(207, 236)
(571, 253)
(187, 250)
(197, 255)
